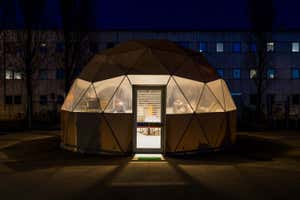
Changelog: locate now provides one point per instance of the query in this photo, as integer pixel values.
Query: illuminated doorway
(149, 118)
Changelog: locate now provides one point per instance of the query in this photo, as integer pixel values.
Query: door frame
(162, 125)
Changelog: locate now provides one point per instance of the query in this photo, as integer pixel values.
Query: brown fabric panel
(230, 129)
(193, 138)
(106, 139)
(87, 131)
(106, 71)
(175, 127)
(148, 64)
(92, 67)
(124, 47)
(69, 130)
(122, 126)
(233, 124)
(212, 124)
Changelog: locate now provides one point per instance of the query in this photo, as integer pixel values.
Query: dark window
(236, 47)
(236, 73)
(8, 100)
(60, 46)
(202, 46)
(94, 47)
(77, 71)
(60, 73)
(270, 98)
(252, 47)
(296, 99)
(253, 99)
(43, 74)
(296, 73)
(17, 99)
(60, 99)
(271, 73)
(43, 99)
(220, 72)
(43, 48)
(184, 44)
(110, 45)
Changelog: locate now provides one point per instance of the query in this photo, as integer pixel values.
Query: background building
(228, 51)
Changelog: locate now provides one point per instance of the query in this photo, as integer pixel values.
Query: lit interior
(182, 95)
(138, 156)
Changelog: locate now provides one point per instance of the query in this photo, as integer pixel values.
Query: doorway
(149, 119)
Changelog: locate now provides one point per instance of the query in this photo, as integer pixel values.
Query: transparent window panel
(78, 88)
(208, 102)
(148, 79)
(217, 88)
(148, 137)
(149, 105)
(229, 103)
(88, 102)
(176, 102)
(121, 102)
(106, 89)
(191, 90)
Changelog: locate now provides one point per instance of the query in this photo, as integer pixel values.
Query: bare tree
(75, 19)
(29, 41)
(261, 20)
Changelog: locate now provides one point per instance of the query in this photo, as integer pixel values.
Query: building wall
(282, 59)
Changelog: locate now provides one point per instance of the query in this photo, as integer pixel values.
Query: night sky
(166, 14)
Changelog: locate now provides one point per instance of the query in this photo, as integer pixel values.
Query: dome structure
(148, 96)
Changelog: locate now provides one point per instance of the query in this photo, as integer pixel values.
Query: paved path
(261, 166)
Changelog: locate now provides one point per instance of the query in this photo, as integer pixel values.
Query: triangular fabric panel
(78, 88)
(89, 71)
(213, 126)
(170, 60)
(108, 70)
(193, 138)
(229, 103)
(128, 59)
(208, 102)
(176, 102)
(121, 124)
(106, 89)
(88, 102)
(217, 88)
(121, 102)
(107, 141)
(148, 64)
(175, 127)
(148, 79)
(191, 90)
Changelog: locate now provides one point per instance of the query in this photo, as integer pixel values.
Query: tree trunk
(4, 69)
(67, 68)
(28, 75)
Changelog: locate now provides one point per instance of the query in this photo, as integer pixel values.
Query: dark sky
(167, 14)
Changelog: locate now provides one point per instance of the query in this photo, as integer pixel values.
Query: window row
(42, 74)
(270, 73)
(294, 99)
(236, 47)
(43, 99)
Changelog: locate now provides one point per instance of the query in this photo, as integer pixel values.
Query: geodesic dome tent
(148, 96)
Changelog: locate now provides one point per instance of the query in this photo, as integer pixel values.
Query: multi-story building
(227, 51)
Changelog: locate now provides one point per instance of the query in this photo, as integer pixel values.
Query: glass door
(149, 118)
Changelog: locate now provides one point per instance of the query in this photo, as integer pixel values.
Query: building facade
(227, 51)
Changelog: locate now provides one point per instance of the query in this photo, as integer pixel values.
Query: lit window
(236, 47)
(271, 73)
(9, 74)
(17, 75)
(252, 47)
(295, 47)
(220, 72)
(203, 47)
(296, 73)
(236, 73)
(220, 47)
(253, 73)
(270, 46)
(43, 74)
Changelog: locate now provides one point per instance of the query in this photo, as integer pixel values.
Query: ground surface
(261, 166)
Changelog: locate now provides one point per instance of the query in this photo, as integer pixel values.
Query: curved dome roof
(148, 57)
